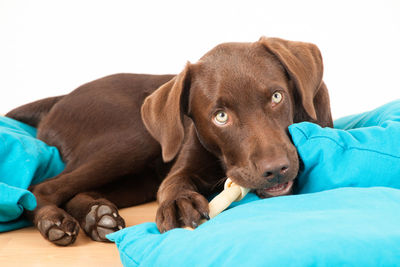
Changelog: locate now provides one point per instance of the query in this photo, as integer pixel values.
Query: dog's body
(226, 115)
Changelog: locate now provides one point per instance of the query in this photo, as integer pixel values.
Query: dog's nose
(275, 169)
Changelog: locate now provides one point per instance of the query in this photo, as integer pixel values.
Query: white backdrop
(50, 47)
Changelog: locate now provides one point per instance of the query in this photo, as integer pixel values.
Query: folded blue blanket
(24, 161)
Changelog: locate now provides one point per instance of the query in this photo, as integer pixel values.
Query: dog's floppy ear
(162, 113)
(303, 62)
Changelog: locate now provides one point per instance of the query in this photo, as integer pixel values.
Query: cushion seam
(129, 257)
(304, 134)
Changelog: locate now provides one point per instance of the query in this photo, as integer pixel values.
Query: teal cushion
(24, 160)
(341, 227)
(376, 117)
(343, 220)
(364, 152)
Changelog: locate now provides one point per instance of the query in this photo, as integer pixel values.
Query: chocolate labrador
(123, 135)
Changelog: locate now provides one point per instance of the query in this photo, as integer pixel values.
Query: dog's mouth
(276, 190)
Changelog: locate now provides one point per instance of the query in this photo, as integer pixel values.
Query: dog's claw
(206, 216)
(194, 224)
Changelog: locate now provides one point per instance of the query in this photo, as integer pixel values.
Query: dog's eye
(221, 118)
(277, 97)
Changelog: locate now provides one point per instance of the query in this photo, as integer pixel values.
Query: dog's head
(241, 98)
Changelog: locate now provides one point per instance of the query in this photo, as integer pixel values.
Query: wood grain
(26, 247)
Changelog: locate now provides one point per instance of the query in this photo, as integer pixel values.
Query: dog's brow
(223, 102)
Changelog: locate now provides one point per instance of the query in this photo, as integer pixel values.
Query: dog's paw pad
(102, 220)
(107, 221)
(55, 234)
(103, 209)
(60, 229)
(102, 232)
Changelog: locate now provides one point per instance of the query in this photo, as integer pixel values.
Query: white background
(50, 47)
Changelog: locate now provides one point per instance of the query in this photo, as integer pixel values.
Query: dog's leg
(58, 226)
(84, 178)
(97, 211)
(96, 215)
(54, 223)
(96, 162)
(182, 195)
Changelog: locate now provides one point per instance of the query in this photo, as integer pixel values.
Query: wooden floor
(26, 247)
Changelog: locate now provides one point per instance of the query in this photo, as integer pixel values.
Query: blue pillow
(365, 153)
(24, 160)
(376, 117)
(346, 226)
(342, 225)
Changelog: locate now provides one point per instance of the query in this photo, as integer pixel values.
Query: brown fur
(114, 132)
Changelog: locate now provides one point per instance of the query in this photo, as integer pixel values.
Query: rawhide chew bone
(231, 193)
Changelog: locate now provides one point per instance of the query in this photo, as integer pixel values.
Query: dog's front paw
(102, 219)
(56, 225)
(187, 209)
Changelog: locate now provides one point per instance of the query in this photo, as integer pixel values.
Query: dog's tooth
(120, 227)
(115, 215)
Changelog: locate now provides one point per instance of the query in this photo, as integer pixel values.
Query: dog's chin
(276, 190)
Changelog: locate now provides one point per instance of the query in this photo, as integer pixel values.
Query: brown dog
(226, 115)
